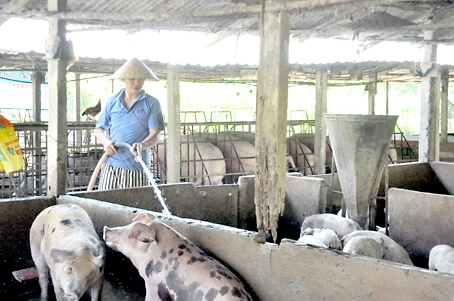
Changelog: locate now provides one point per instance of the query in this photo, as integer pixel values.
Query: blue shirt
(130, 126)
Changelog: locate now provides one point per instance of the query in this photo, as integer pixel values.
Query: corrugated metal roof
(340, 19)
(360, 72)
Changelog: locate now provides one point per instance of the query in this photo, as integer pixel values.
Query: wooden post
(371, 91)
(37, 80)
(321, 100)
(429, 146)
(173, 125)
(56, 54)
(77, 108)
(444, 105)
(386, 98)
(271, 124)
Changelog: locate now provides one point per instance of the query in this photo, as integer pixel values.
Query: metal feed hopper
(360, 145)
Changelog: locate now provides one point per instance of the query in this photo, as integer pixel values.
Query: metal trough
(360, 145)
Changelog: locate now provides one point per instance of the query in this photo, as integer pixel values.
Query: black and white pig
(63, 239)
(173, 268)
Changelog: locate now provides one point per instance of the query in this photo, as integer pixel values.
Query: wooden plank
(271, 124)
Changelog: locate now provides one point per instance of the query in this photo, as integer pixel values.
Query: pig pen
(220, 219)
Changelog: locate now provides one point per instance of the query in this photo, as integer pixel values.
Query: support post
(271, 124)
(37, 80)
(173, 125)
(444, 105)
(386, 98)
(321, 100)
(57, 57)
(429, 139)
(77, 109)
(371, 91)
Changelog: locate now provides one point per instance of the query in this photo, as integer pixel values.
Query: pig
(202, 163)
(392, 250)
(441, 259)
(239, 154)
(310, 240)
(172, 267)
(341, 225)
(365, 246)
(63, 239)
(329, 238)
(302, 155)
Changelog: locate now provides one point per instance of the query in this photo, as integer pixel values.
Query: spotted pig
(63, 239)
(173, 268)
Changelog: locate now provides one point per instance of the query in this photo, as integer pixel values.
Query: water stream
(157, 191)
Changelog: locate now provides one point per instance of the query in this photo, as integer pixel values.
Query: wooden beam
(271, 124)
(57, 144)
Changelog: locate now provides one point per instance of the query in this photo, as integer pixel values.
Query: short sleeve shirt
(130, 126)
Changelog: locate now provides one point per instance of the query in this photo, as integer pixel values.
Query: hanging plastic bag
(11, 159)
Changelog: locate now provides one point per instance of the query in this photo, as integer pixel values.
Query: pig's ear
(143, 233)
(143, 217)
(59, 255)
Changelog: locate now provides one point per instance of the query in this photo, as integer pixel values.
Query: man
(133, 117)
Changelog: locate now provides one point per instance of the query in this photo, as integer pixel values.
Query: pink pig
(63, 239)
(173, 268)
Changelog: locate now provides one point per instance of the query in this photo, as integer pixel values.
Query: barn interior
(420, 194)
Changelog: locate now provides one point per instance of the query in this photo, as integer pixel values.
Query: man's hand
(136, 149)
(109, 148)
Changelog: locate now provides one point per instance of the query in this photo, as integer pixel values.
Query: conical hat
(134, 68)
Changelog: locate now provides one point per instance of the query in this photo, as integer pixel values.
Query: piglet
(341, 225)
(63, 239)
(441, 259)
(173, 268)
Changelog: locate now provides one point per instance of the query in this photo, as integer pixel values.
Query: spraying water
(157, 191)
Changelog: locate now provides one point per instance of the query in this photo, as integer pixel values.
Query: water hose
(158, 192)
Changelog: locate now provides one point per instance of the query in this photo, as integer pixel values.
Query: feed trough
(360, 145)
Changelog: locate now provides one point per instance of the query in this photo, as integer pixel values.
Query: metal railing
(84, 152)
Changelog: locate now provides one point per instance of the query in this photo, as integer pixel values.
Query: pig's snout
(107, 235)
(71, 296)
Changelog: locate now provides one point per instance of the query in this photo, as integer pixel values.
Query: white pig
(441, 258)
(63, 239)
(173, 268)
(365, 246)
(341, 225)
(392, 250)
(329, 238)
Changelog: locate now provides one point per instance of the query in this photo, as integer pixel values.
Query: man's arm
(108, 145)
(148, 142)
